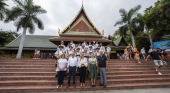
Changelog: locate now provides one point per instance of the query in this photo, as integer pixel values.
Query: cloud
(103, 13)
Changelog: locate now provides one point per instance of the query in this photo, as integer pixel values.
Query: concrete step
(52, 88)
(52, 77)
(112, 70)
(29, 75)
(125, 76)
(88, 82)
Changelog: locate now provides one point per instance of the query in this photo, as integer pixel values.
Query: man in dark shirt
(156, 59)
(102, 64)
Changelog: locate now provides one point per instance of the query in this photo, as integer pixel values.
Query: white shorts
(158, 62)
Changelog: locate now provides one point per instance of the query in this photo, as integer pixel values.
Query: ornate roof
(81, 25)
(120, 42)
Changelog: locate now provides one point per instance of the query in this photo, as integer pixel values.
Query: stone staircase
(28, 75)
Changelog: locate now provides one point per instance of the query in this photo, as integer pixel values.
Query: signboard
(113, 51)
(162, 44)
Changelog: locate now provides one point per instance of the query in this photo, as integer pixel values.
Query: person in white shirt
(90, 50)
(102, 48)
(83, 48)
(58, 54)
(72, 44)
(79, 46)
(90, 44)
(97, 53)
(76, 46)
(59, 51)
(94, 46)
(36, 54)
(86, 54)
(69, 51)
(78, 53)
(142, 51)
(82, 64)
(72, 69)
(97, 45)
(61, 69)
(84, 44)
(108, 49)
(64, 47)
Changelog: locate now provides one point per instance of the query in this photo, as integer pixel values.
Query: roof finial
(82, 2)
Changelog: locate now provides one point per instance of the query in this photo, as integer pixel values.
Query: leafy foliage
(158, 20)
(7, 36)
(129, 22)
(25, 15)
(3, 9)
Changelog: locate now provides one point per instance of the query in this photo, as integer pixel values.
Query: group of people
(156, 54)
(132, 53)
(82, 58)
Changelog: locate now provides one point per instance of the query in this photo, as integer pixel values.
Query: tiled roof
(118, 41)
(33, 41)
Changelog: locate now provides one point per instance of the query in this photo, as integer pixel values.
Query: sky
(102, 13)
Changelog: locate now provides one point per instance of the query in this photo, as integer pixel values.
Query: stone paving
(153, 90)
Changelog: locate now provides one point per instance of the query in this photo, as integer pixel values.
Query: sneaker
(159, 73)
(58, 86)
(104, 86)
(156, 70)
(139, 62)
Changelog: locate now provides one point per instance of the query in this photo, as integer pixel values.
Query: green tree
(157, 19)
(128, 22)
(7, 36)
(166, 3)
(25, 16)
(3, 9)
(166, 37)
(142, 20)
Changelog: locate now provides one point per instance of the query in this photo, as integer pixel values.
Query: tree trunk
(21, 44)
(150, 38)
(132, 37)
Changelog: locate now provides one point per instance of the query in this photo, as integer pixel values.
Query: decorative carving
(59, 32)
(103, 33)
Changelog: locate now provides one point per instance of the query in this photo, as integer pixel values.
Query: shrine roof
(81, 25)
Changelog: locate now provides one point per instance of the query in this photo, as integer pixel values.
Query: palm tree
(142, 20)
(123, 31)
(127, 20)
(3, 9)
(24, 15)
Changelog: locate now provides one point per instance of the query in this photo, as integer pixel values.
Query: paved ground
(154, 90)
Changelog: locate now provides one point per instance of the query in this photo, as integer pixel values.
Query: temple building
(79, 30)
